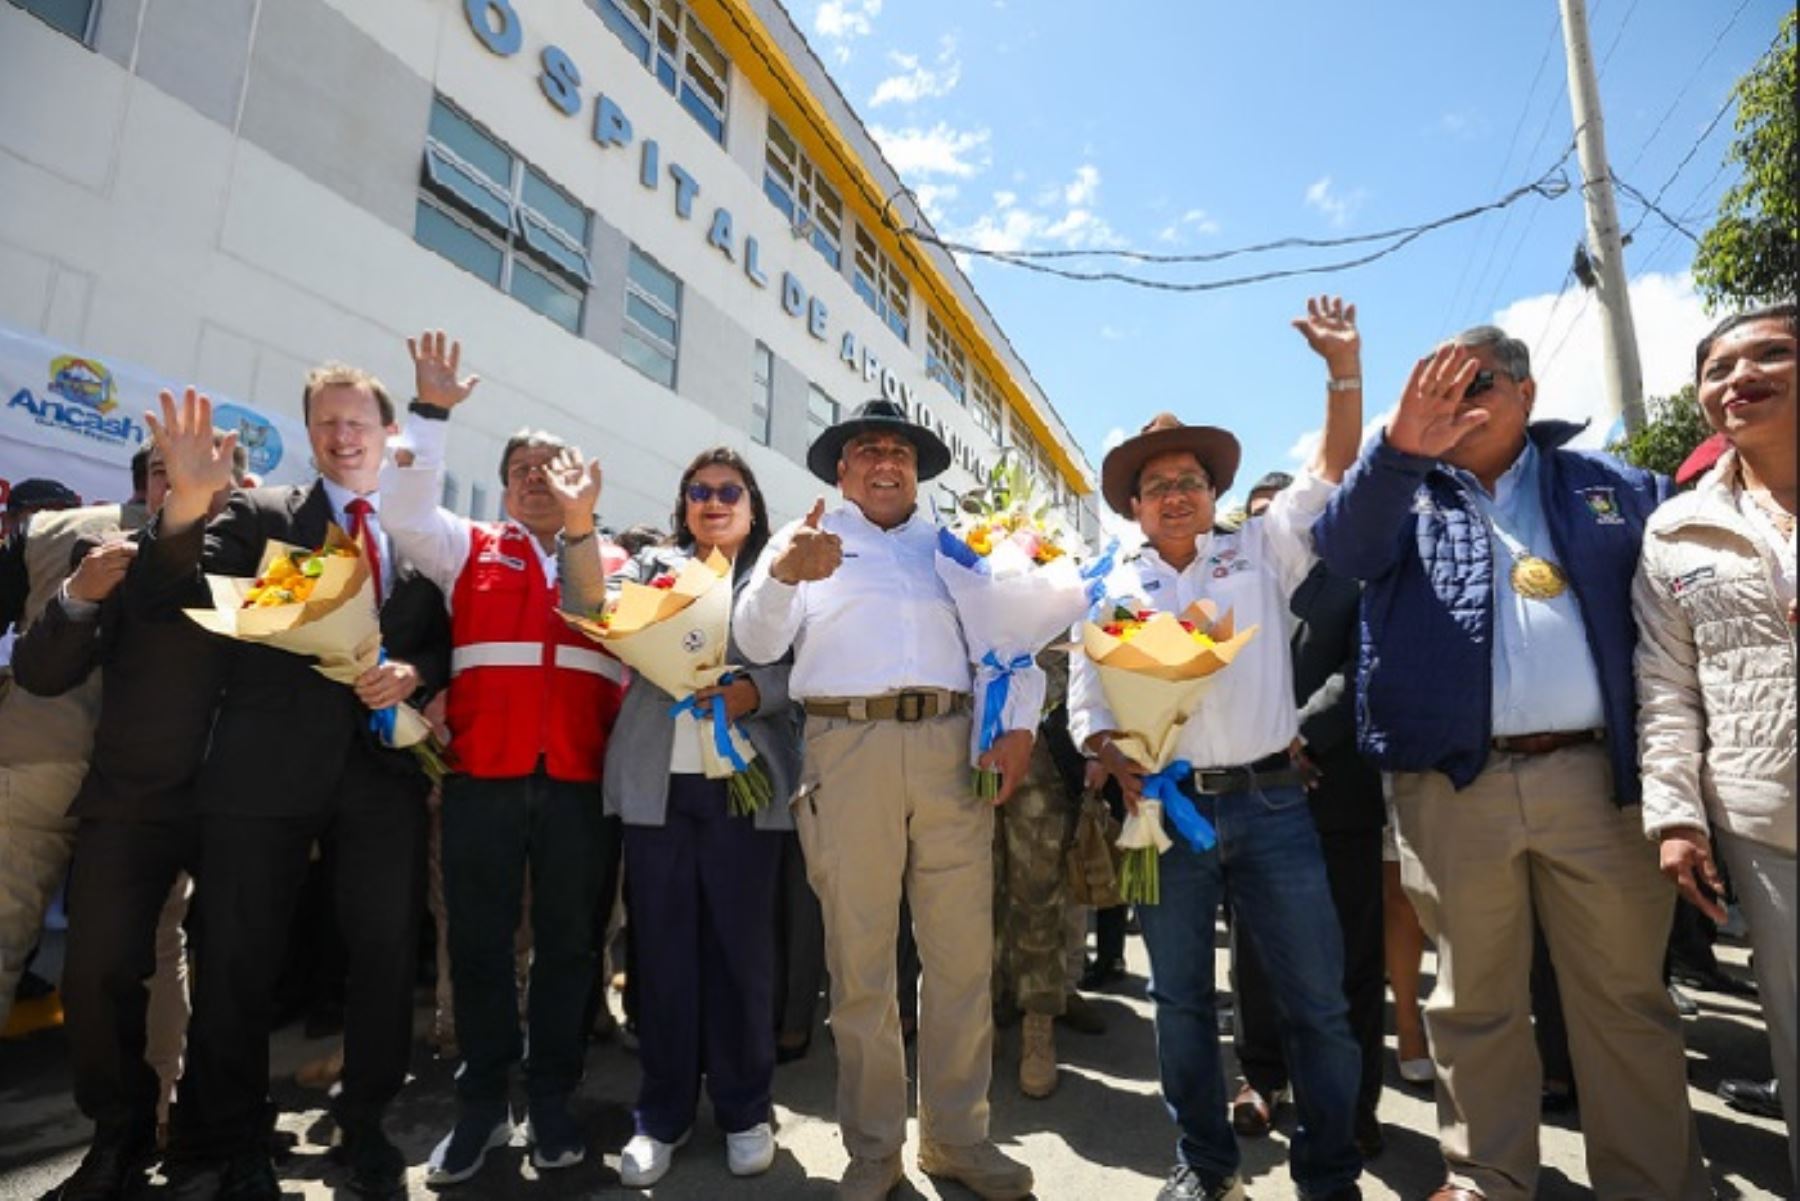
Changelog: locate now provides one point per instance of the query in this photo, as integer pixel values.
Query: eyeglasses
(1482, 384)
(1187, 485)
(728, 494)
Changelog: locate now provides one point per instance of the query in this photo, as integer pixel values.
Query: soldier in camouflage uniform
(1031, 839)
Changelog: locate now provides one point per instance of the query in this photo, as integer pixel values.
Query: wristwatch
(428, 411)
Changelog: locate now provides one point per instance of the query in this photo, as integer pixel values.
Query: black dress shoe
(1712, 980)
(247, 1177)
(784, 1053)
(377, 1169)
(112, 1169)
(1759, 1097)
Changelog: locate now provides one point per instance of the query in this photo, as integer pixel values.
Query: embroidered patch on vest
(1603, 504)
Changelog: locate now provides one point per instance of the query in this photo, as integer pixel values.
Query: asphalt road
(1102, 1136)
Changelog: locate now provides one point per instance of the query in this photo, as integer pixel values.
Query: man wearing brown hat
(885, 806)
(1235, 774)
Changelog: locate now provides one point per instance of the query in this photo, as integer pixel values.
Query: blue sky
(1202, 125)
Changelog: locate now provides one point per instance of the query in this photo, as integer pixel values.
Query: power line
(1512, 143)
(1687, 158)
(1574, 324)
(1624, 23)
(1550, 185)
(1650, 206)
(1699, 67)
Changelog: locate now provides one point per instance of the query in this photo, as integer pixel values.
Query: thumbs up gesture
(811, 554)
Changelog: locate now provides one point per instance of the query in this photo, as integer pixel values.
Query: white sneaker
(1418, 1071)
(646, 1160)
(750, 1152)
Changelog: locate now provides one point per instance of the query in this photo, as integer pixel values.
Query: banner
(73, 416)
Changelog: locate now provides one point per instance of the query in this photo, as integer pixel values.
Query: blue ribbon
(1095, 573)
(714, 707)
(960, 552)
(994, 705)
(382, 720)
(1165, 786)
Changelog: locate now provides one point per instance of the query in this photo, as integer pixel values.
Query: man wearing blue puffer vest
(1496, 683)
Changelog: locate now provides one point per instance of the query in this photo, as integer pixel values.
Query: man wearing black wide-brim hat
(885, 802)
(1234, 781)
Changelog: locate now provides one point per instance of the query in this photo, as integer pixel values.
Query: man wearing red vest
(530, 706)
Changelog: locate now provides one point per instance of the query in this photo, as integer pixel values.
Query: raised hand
(811, 554)
(435, 359)
(198, 466)
(576, 483)
(1430, 419)
(1329, 327)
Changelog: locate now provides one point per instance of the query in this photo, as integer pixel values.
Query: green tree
(1673, 426)
(1751, 254)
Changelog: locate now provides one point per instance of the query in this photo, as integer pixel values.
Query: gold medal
(1537, 579)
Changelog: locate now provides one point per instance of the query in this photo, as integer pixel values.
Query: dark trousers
(1353, 872)
(122, 875)
(799, 944)
(494, 830)
(702, 887)
(251, 869)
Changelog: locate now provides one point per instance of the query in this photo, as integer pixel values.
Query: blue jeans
(1269, 865)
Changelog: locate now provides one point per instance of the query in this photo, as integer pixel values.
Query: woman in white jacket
(1714, 601)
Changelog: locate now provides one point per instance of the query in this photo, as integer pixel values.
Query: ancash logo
(81, 398)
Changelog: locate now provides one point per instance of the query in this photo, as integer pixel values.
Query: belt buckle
(909, 707)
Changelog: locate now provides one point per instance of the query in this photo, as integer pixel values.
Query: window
(795, 186)
(477, 502)
(821, 413)
(674, 47)
(944, 359)
(762, 394)
(496, 216)
(449, 497)
(986, 406)
(652, 318)
(73, 17)
(881, 285)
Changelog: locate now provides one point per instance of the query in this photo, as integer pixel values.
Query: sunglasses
(728, 494)
(1482, 383)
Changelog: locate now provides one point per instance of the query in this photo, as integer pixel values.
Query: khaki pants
(1540, 835)
(37, 837)
(884, 805)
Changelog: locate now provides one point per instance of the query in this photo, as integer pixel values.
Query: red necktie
(360, 529)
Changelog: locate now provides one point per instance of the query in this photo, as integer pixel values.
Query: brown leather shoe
(1456, 1192)
(1251, 1113)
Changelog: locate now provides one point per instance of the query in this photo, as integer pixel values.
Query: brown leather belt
(1543, 744)
(909, 706)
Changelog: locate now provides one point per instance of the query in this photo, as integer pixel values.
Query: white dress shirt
(1248, 712)
(340, 498)
(433, 540)
(881, 623)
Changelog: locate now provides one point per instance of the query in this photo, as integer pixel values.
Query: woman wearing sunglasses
(700, 883)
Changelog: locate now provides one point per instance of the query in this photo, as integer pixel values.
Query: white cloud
(916, 81)
(940, 150)
(842, 22)
(1114, 436)
(1338, 207)
(1062, 216)
(1567, 358)
(1194, 221)
(932, 197)
(1112, 333)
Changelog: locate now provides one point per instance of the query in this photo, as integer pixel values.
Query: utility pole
(1618, 336)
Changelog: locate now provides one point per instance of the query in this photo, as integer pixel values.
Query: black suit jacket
(1325, 646)
(284, 731)
(162, 678)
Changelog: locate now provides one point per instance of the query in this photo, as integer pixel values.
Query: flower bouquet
(1013, 569)
(319, 603)
(674, 632)
(1154, 667)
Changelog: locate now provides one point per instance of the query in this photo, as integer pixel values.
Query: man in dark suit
(293, 760)
(138, 839)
